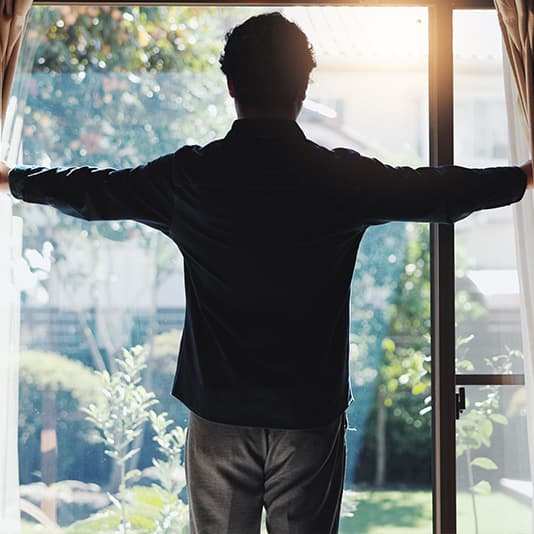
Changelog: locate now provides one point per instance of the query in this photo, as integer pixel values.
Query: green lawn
(388, 512)
(497, 514)
(410, 512)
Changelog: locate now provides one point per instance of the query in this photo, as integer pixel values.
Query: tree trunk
(381, 422)
(89, 336)
(151, 334)
(49, 452)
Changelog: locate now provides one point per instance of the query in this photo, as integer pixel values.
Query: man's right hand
(527, 169)
(4, 181)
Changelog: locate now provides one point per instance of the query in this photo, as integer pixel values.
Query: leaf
(114, 500)
(419, 388)
(392, 385)
(133, 452)
(484, 463)
(388, 345)
(482, 488)
(486, 428)
(499, 418)
(423, 411)
(464, 340)
(133, 473)
(465, 365)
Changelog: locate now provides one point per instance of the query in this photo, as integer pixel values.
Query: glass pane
(487, 286)
(119, 86)
(493, 480)
(494, 495)
(372, 82)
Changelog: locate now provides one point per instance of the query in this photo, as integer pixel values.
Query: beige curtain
(14, 14)
(516, 18)
(13, 17)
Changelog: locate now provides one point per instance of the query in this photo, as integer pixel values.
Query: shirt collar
(266, 129)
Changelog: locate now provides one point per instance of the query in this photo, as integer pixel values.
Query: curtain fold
(523, 229)
(516, 18)
(10, 240)
(13, 18)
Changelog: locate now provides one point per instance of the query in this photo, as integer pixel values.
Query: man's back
(269, 255)
(269, 224)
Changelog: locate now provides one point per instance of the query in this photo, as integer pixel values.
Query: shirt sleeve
(444, 194)
(144, 193)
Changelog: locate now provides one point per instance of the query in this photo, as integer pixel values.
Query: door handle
(460, 402)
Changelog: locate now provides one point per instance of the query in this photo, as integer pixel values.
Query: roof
(382, 35)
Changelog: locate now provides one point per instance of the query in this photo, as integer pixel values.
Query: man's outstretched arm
(144, 193)
(378, 193)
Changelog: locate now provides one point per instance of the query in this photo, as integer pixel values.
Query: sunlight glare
(384, 35)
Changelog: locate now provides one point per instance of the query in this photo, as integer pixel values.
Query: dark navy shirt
(269, 224)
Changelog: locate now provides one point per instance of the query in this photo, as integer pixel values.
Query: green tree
(399, 422)
(170, 439)
(52, 390)
(120, 419)
(147, 76)
(373, 292)
(67, 385)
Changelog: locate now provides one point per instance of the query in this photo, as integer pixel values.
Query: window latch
(460, 402)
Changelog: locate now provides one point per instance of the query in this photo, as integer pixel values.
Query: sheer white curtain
(10, 256)
(10, 239)
(524, 234)
(13, 18)
(516, 18)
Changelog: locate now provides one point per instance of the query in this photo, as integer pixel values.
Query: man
(269, 225)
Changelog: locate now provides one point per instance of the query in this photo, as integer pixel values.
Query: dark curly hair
(268, 60)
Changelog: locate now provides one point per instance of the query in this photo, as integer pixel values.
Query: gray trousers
(233, 472)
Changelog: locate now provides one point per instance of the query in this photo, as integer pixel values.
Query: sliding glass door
(493, 475)
(119, 85)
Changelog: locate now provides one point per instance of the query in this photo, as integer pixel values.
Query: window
(120, 85)
(492, 458)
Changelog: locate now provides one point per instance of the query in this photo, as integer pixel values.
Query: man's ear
(230, 87)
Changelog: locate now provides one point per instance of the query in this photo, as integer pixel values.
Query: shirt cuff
(18, 178)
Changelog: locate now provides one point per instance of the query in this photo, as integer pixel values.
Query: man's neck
(266, 116)
(271, 114)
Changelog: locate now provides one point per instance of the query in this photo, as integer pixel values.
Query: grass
(410, 512)
(389, 512)
(497, 514)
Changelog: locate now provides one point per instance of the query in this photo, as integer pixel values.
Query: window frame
(442, 255)
(446, 5)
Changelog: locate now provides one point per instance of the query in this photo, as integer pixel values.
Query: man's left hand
(4, 181)
(527, 169)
